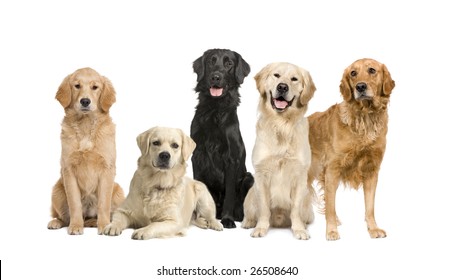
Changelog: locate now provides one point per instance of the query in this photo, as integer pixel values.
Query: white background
(146, 48)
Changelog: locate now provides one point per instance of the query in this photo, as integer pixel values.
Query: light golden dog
(348, 140)
(162, 202)
(280, 196)
(86, 192)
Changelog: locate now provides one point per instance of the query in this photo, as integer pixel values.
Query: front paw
(111, 230)
(332, 235)
(377, 233)
(75, 229)
(259, 232)
(301, 234)
(141, 234)
(55, 224)
(228, 223)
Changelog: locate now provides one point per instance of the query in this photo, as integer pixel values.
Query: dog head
(164, 148)
(367, 82)
(284, 88)
(86, 91)
(218, 71)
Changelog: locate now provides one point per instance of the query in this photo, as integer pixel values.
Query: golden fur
(162, 202)
(281, 156)
(348, 140)
(86, 192)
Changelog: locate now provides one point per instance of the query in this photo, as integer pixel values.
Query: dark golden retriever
(348, 140)
(86, 192)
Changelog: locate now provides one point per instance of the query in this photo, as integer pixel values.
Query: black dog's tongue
(216, 91)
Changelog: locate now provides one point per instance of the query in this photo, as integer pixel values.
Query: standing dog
(219, 158)
(348, 140)
(86, 192)
(281, 156)
(162, 202)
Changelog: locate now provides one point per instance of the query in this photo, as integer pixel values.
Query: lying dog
(86, 192)
(219, 158)
(281, 156)
(162, 202)
(348, 140)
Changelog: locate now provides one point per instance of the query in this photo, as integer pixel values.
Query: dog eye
(174, 146)
(77, 86)
(276, 75)
(94, 87)
(371, 70)
(229, 63)
(353, 73)
(156, 143)
(294, 79)
(213, 60)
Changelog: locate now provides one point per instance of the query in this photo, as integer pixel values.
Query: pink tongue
(216, 91)
(280, 104)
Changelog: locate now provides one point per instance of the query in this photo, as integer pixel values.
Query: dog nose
(164, 156)
(85, 102)
(282, 88)
(361, 87)
(216, 77)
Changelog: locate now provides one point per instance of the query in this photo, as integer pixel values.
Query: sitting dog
(162, 202)
(348, 140)
(86, 192)
(281, 156)
(219, 158)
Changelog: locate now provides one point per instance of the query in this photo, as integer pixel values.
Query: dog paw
(228, 223)
(141, 234)
(332, 235)
(246, 223)
(215, 225)
(301, 234)
(55, 224)
(201, 223)
(111, 230)
(377, 233)
(75, 229)
(259, 232)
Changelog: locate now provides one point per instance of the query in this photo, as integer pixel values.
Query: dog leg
(369, 190)
(264, 212)
(330, 189)
(205, 210)
(120, 221)
(250, 214)
(59, 209)
(297, 225)
(74, 202)
(104, 192)
(230, 196)
(158, 230)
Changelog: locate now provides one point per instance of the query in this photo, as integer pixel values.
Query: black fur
(219, 158)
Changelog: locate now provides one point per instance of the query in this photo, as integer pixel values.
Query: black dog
(219, 158)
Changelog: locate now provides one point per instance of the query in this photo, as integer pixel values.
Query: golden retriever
(86, 192)
(348, 140)
(162, 202)
(281, 156)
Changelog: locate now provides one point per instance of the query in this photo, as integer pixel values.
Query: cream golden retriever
(162, 202)
(348, 140)
(86, 192)
(281, 156)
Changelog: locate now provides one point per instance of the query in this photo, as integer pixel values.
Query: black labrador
(219, 157)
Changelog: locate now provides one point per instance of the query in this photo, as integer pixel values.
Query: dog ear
(242, 68)
(345, 88)
(64, 95)
(198, 67)
(108, 95)
(309, 87)
(143, 141)
(260, 77)
(388, 84)
(188, 145)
